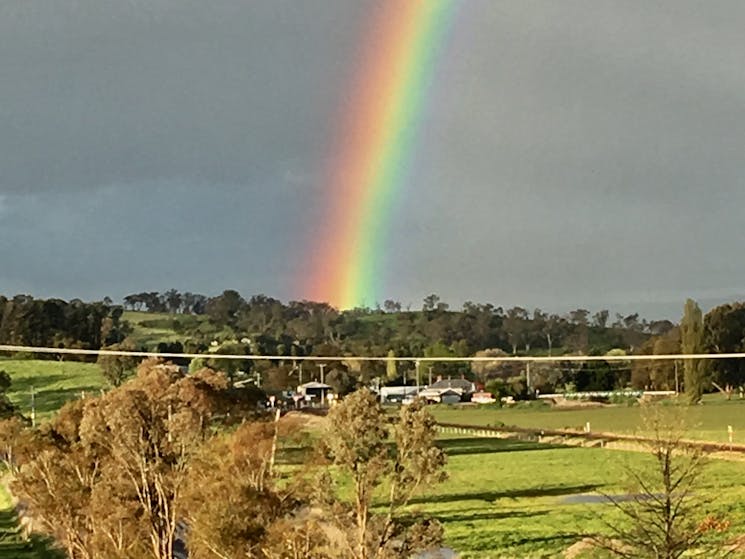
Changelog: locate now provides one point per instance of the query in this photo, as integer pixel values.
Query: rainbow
(373, 149)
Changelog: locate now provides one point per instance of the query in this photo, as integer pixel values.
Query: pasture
(53, 383)
(707, 421)
(504, 498)
(511, 499)
(149, 329)
(12, 544)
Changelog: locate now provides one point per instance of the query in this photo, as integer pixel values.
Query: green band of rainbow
(374, 150)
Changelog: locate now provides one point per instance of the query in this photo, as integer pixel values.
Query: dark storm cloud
(113, 92)
(592, 152)
(571, 153)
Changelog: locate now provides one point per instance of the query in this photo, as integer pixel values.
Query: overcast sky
(573, 153)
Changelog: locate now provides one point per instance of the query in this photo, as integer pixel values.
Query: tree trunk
(361, 505)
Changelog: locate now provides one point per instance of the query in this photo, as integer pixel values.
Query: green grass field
(505, 498)
(707, 422)
(150, 329)
(149, 336)
(12, 544)
(53, 382)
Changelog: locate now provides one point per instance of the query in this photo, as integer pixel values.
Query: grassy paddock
(12, 544)
(54, 383)
(149, 336)
(506, 498)
(150, 329)
(707, 422)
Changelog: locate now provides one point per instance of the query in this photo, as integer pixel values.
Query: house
(442, 395)
(465, 386)
(448, 391)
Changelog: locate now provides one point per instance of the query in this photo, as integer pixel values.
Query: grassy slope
(708, 421)
(504, 498)
(54, 383)
(149, 336)
(12, 545)
(149, 329)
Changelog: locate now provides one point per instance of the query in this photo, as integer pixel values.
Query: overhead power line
(500, 359)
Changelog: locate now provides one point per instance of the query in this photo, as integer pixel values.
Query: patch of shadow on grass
(590, 498)
(563, 539)
(52, 400)
(48, 400)
(537, 546)
(24, 384)
(14, 546)
(472, 445)
(486, 515)
(491, 496)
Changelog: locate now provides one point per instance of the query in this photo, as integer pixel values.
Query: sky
(571, 154)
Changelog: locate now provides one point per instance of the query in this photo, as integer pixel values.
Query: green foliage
(623, 400)
(118, 368)
(357, 438)
(358, 432)
(57, 323)
(231, 367)
(725, 333)
(308, 328)
(658, 375)
(692, 342)
(595, 376)
(197, 364)
(514, 387)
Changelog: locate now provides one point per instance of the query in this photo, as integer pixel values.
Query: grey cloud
(590, 152)
(100, 92)
(571, 153)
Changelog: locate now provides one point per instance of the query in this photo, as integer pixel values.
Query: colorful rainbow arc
(374, 148)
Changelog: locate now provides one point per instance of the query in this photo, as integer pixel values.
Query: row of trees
(263, 326)
(169, 461)
(58, 323)
(721, 330)
(300, 326)
(306, 327)
(171, 301)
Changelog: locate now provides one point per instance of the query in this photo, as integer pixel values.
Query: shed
(314, 391)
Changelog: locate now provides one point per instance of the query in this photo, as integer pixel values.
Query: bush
(623, 400)
(160, 323)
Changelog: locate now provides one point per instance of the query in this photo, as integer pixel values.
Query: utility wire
(502, 359)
